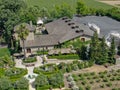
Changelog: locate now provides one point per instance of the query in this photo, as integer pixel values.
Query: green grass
(51, 3)
(4, 51)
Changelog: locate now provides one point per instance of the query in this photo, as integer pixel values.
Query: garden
(107, 80)
(15, 73)
(51, 75)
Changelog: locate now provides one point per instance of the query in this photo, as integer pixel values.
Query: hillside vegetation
(51, 3)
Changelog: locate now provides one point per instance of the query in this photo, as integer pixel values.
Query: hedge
(69, 56)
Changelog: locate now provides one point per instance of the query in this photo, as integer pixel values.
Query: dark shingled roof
(42, 40)
(62, 28)
(59, 31)
(105, 23)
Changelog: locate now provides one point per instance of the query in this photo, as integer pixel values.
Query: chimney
(31, 23)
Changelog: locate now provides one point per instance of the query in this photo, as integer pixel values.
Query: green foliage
(15, 73)
(41, 81)
(4, 52)
(56, 80)
(69, 56)
(103, 58)
(9, 17)
(30, 60)
(112, 51)
(83, 53)
(6, 61)
(5, 84)
(47, 69)
(49, 4)
(81, 8)
(22, 84)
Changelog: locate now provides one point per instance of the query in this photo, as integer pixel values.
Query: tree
(112, 51)
(5, 84)
(41, 81)
(118, 50)
(103, 58)
(9, 17)
(81, 8)
(94, 48)
(22, 34)
(83, 52)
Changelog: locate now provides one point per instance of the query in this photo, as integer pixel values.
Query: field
(51, 3)
(107, 80)
(115, 3)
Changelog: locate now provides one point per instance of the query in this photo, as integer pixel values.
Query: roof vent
(64, 18)
(67, 20)
(76, 26)
(71, 23)
(73, 27)
(79, 31)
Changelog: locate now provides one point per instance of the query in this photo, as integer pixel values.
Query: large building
(54, 33)
(64, 29)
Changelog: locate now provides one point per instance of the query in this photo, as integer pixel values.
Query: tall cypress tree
(112, 51)
(94, 48)
(83, 52)
(118, 50)
(103, 57)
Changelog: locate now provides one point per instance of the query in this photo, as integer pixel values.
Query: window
(28, 50)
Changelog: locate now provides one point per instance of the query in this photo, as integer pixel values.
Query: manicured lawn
(4, 51)
(51, 3)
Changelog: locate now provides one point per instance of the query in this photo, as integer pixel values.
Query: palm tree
(22, 34)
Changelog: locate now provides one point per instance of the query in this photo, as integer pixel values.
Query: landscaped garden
(106, 80)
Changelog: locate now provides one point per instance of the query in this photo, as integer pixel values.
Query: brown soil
(111, 2)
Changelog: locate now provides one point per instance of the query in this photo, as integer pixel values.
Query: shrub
(30, 60)
(76, 78)
(81, 88)
(98, 80)
(91, 82)
(46, 87)
(92, 73)
(68, 69)
(109, 84)
(74, 67)
(69, 78)
(105, 79)
(83, 82)
(102, 86)
(75, 88)
(88, 88)
(112, 79)
(15, 73)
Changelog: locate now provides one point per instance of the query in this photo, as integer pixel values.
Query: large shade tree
(22, 34)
